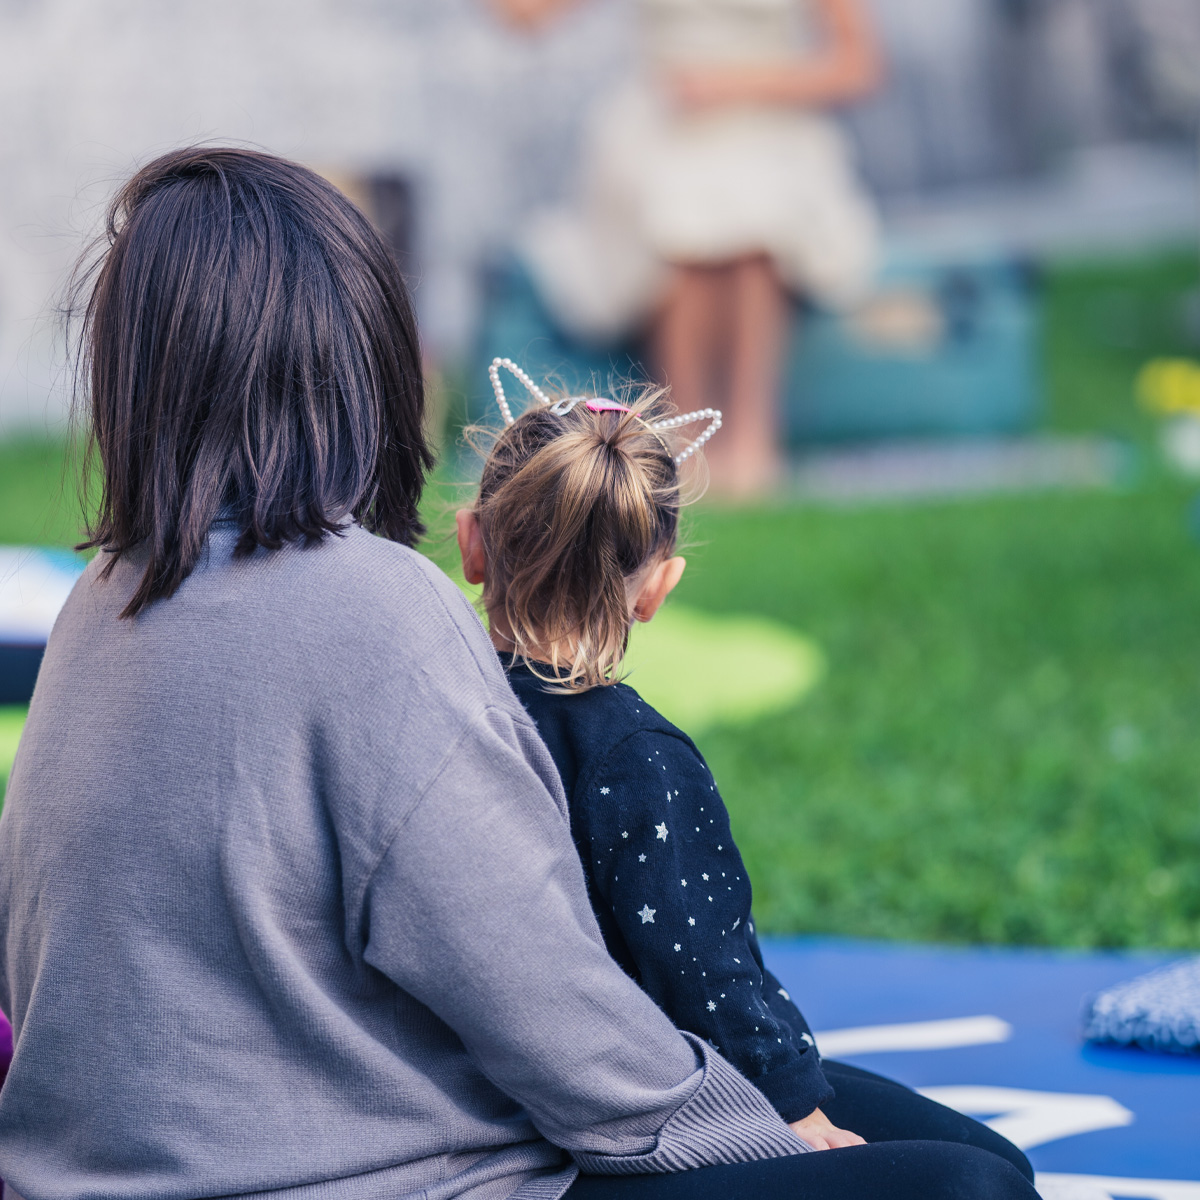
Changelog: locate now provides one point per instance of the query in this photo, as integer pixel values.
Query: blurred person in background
(713, 184)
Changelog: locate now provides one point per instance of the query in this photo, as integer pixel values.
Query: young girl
(573, 537)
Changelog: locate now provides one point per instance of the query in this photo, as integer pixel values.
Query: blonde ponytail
(572, 507)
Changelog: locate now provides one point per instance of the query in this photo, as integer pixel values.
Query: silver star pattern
(647, 914)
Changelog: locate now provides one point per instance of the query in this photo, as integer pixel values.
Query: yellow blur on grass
(1169, 386)
(702, 669)
(12, 720)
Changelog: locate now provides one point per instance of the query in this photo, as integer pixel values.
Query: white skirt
(661, 187)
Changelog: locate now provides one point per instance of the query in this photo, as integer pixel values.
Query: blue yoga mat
(997, 1033)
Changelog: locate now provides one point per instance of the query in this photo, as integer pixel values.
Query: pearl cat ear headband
(599, 404)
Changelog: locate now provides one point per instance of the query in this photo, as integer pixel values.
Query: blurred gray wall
(479, 118)
(484, 122)
(984, 90)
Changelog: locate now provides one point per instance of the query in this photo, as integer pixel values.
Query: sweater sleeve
(662, 859)
(778, 999)
(478, 909)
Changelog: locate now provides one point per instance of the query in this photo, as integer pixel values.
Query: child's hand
(816, 1130)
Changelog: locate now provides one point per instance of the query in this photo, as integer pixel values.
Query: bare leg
(758, 337)
(689, 345)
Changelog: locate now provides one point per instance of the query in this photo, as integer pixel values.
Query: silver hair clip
(560, 408)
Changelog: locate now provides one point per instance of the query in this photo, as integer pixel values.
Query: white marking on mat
(914, 1035)
(1033, 1118)
(1054, 1186)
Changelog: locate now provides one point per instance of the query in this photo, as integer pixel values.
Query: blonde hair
(571, 509)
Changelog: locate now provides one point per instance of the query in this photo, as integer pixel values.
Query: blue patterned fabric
(1158, 1011)
(667, 883)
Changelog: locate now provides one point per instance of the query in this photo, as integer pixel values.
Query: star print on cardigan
(605, 791)
(595, 736)
(711, 1006)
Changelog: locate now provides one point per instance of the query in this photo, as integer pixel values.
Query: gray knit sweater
(289, 907)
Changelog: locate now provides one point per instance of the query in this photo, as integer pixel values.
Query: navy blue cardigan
(667, 882)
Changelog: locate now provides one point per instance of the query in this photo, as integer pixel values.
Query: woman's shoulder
(375, 580)
(413, 606)
(360, 607)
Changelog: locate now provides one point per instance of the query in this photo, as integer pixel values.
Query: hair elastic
(600, 404)
(560, 408)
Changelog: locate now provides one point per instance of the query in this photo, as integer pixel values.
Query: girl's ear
(470, 545)
(658, 586)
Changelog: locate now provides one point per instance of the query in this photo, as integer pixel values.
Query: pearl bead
(501, 400)
(712, 415)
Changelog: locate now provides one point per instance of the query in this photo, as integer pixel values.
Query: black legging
(882, 1110)
(917, 1150)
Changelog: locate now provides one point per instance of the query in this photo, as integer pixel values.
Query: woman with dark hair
(288, 901)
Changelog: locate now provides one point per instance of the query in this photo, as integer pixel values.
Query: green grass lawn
(39, 502)
(1001, 747)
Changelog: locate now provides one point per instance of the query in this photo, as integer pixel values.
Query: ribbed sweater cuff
(726, 1120)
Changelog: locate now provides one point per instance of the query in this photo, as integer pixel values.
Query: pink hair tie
(596, 403)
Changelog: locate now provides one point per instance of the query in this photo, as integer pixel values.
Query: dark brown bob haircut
(249, 349)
